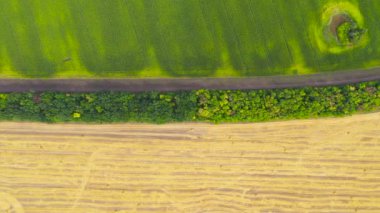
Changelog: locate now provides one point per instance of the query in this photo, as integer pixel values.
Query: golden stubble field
(327, 165)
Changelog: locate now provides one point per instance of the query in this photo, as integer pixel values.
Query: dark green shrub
(349, 33)
(202, 105)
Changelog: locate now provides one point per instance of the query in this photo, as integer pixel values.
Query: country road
(176, 84)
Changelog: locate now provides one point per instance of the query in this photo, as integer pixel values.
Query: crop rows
(171, 38)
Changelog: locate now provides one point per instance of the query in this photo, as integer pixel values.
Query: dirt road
(327, 165)
(175, 84)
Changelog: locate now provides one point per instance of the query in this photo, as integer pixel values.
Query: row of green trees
(202, 105)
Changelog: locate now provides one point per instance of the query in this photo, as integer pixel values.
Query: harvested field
(326, 165)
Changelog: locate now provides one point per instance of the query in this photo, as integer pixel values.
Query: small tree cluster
(349, 33)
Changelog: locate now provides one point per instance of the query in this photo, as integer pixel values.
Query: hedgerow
(201, 105)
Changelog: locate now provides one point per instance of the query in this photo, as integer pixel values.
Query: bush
(343, 33)
(202, 105)
(264, 105)
(349, 33)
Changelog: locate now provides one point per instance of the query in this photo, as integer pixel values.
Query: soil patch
(179, 84)
(336, 21)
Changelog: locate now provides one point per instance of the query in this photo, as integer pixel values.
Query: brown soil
(324, 165)
(336, 21)
(176, 84)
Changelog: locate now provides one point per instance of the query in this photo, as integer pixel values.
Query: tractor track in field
(322, 165)
(181, 84)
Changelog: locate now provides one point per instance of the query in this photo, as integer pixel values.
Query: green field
(176, 38)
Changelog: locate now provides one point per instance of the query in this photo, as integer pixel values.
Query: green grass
(175, 38)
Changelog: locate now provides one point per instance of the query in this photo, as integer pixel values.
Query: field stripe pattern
(326, 165)
(171, 38)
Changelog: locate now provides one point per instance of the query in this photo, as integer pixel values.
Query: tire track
(183, 84)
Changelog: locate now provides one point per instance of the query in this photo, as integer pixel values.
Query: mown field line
(316, 59)
(259, 32)
(322, 165)
(177, 84)
(236, 37)
(284, 37)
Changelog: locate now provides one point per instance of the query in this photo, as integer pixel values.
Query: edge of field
(178, 84)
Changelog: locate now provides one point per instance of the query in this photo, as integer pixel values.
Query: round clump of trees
(349, 32)
(341, 28)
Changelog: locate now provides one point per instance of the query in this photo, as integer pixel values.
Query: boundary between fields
(178, 84)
